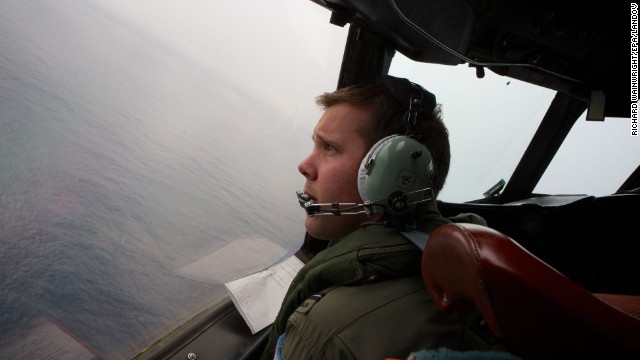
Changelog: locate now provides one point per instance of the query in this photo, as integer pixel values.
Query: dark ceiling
(579, 50)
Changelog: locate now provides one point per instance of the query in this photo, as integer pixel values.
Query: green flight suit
(363, 298)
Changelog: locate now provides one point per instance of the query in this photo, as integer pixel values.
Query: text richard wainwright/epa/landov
(634, 69)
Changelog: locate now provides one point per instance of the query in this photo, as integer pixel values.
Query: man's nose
(307, 168)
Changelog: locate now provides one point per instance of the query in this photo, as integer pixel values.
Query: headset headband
(419, 100)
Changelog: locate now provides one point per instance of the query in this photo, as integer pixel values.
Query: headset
(397, 172)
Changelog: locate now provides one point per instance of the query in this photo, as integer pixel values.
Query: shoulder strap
(418, 238)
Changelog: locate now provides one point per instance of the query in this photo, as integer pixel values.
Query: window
(490, 121)
(149, 154)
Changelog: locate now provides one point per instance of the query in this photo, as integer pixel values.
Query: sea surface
(121, 162)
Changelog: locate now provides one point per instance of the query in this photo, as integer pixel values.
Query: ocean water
(121, 162)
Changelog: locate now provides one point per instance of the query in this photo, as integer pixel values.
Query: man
(362, 297)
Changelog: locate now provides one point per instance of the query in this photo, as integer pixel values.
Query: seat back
(538, 311)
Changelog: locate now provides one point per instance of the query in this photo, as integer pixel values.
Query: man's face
(331, 169)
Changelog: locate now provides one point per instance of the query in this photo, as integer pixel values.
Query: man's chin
(317, 227)
(328, 227)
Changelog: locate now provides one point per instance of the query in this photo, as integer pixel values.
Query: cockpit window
(490, 121)
(595, 159)
(149, 154)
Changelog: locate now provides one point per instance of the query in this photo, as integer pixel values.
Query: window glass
(149, 153)
(595, 159)
(490, 121)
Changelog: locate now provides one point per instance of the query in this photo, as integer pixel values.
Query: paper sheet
(258, 296)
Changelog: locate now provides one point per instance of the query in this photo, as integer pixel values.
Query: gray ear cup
(397, 172)
(368, 159)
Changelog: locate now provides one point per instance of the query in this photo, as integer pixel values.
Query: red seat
(538, 311)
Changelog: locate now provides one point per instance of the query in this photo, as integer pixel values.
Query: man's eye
(329, 148)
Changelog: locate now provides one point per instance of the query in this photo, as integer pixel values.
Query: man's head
(355, 118)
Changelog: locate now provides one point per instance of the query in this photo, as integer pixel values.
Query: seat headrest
(529, 304)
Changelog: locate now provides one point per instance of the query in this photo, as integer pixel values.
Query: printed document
(258, 296)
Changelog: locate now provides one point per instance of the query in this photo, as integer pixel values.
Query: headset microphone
(312, 208)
